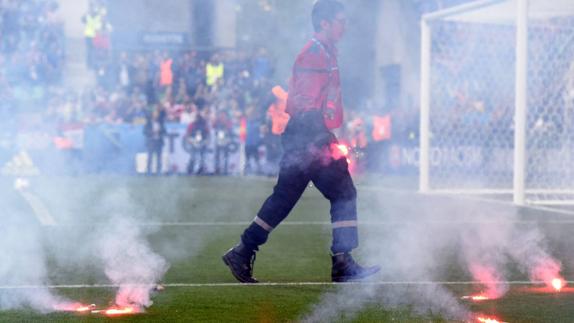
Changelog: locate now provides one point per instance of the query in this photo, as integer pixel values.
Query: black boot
(346, 269)
(240, 261)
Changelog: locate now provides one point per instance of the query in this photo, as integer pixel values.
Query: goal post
(497, 100)
(520, 105)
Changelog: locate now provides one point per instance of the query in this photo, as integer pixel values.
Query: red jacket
(315, 83)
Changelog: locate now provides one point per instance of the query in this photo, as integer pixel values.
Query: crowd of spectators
(215, 93)
(473, 83)
(228, 93)
(32, 53)
(176, 81)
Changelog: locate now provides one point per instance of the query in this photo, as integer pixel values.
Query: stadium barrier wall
(114, 149)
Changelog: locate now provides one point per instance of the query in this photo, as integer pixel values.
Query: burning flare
(558, 283)
(491, 279)
(115, 311)
(86, 308)
(339, 151)
(75, 307)
(488, 320)
(477, 298)
(548, 271)
(343, 149)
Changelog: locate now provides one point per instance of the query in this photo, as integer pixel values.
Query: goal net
(497, 100)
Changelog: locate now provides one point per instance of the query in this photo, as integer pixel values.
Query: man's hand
(329, 112)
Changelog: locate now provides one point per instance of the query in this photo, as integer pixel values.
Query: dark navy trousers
(307, 158)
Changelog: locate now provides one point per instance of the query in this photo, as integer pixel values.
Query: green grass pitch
(193, 221)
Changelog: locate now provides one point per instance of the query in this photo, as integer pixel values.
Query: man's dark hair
(325, 10)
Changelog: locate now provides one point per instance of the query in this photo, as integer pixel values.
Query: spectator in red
(166, 72)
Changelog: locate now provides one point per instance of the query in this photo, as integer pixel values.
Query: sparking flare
(558, 283)
(477, 298)
(488, 320)
(116, 311)
(75, 307)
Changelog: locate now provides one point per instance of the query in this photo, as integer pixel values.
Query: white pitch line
(39, 208)
(326, 223)
(469, 197)
(44, 216)
(280, 284)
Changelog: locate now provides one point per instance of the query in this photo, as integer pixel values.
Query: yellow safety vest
(213, 73)
(93, 24)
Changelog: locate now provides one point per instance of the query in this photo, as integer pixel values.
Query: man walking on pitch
(315, 107)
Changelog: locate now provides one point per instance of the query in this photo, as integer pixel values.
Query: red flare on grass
(86, 308)
(558, 283)
(548, 271)
(116, 311)
(491, 279)
(488, 320)
(477, 298)
(75, 307)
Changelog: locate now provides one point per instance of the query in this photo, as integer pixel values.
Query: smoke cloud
(116, 246)
(23, 263)
(129, 261)
(423, 240)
